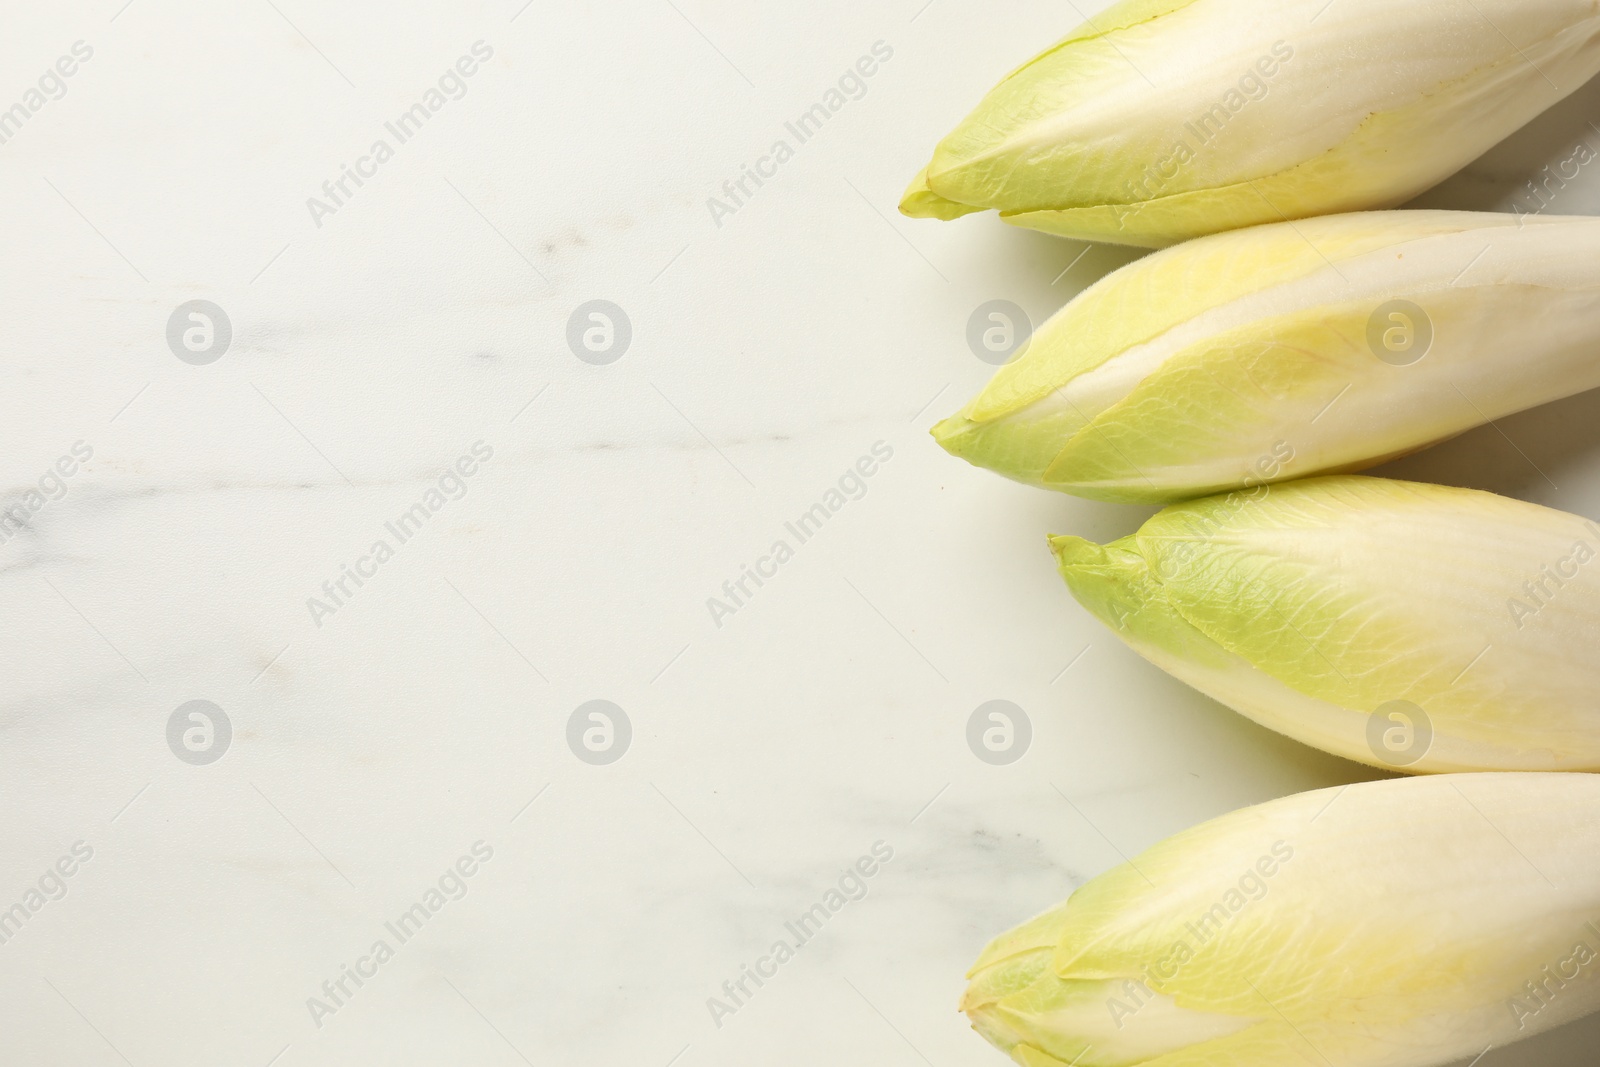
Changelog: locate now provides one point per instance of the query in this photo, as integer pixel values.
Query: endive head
(1384, 924)
(1413, 627)
(1269, 353)
(1161, 120)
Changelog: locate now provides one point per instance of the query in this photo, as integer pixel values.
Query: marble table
(405, 403)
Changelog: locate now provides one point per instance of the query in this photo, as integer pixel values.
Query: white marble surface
(424, 714)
